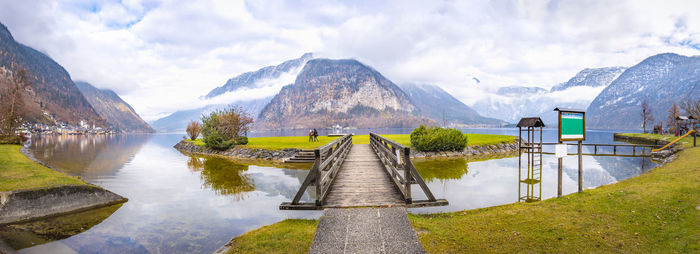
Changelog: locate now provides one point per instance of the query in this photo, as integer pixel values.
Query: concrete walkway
(365, 230)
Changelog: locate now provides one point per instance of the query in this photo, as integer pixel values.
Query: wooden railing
(396, 159)
(328, 159)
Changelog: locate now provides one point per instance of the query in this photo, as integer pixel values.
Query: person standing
(315, 135)
(311, 135)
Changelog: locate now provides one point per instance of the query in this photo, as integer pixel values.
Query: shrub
(436, 139)
(193, 129)
(223, 129)
(214, 140)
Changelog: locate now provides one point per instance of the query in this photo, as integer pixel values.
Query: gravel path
(365, 230)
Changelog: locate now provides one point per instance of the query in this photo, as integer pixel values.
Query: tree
(673, 112)
(193, 129)
(691, 107)
(12, 102)
(223, 129)
(647, 115)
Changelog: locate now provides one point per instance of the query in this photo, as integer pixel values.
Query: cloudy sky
(162, 56)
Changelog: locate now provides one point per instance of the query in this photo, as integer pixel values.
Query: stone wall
(25, 205)
(470, 151)
(238, 152)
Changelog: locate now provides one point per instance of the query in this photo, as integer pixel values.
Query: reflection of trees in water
(224, 176)
(442, 169)
(195, 164)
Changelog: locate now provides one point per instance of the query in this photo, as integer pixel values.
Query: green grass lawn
(685, 142)
(19, 172)
(302, 142)
(656, 212)
(287, 236)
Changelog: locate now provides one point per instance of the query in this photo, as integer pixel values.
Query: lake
(183, 204)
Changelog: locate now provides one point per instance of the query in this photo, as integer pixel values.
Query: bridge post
(317, 173)
(407, 174)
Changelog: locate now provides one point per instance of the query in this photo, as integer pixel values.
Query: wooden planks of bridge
(346, 175)
(362, 181)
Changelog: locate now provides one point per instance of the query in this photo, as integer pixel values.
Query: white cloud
(161, 56)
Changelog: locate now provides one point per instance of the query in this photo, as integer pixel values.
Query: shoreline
(30, 204)
(278, 156)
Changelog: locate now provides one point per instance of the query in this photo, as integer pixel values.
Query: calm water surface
(183, 204)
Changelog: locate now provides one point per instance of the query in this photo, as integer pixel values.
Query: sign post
(572, 127)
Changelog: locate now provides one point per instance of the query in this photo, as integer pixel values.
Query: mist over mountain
(118, 114)
(435, 103)
(251, 79)
(661, 79)
(513, 102)
(51, 89)
(233, 93)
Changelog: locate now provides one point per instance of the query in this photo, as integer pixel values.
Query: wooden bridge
(346, 175)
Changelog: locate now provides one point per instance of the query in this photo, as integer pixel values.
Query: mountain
(118, 114)
(513, 102)
(251, 79)
(344, 92)
(178, 120)
(436, 104)
(661, 79)
(268, 78)
(591, 77)
(51, 88)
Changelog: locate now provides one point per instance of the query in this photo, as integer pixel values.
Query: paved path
(362, 181)
(365, 230)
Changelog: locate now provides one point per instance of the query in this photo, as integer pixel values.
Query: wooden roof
(570, 110)
(530, 122)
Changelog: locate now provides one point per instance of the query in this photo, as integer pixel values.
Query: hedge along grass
(656, 212)
(301, 142)
(18, 172)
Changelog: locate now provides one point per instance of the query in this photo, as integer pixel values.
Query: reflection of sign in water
(560, 150)
(572, 126)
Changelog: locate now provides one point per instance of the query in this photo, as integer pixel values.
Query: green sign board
(572, 126)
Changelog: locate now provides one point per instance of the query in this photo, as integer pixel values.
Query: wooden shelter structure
(532, 179)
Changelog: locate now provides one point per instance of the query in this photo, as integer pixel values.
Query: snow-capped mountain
(591, 77)
(513, 102)
(661, 79)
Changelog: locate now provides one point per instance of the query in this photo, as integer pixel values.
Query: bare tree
(12, 102)
(647, 115)
(673, 112)
(193, 129)
(691, 107)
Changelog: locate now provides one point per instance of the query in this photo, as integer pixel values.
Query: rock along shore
(469, 151)
(238, 152)
(281, 155)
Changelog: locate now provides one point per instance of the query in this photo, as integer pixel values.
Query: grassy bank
(655, 212)
(287, 236)
(685, 142)
(302, 142)
(19, 172)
